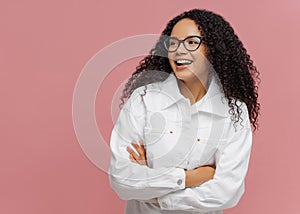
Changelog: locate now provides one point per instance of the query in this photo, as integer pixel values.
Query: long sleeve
(130, 180)
(227, 186)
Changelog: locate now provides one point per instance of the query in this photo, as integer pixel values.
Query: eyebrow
(184, 37)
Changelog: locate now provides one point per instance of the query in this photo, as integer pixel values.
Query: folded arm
(193, 178)
(227, 186)
(130, 180)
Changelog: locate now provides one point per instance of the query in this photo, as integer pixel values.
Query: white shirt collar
(213, 101)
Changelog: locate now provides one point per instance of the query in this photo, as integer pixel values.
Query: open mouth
(181, 62)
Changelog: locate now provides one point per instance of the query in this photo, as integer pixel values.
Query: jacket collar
(212, 102)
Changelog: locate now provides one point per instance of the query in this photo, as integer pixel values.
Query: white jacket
(179, 136)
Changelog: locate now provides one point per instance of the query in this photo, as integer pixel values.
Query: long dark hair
(237, 74)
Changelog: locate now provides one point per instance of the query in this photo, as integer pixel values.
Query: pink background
(45, 44)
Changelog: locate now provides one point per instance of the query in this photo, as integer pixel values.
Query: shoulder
(142, 92)
(141, 98)
(152, 96)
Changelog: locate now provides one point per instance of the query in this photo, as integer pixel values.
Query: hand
(139, 158)
(198, 176)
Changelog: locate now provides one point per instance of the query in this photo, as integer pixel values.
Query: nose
(181, 49)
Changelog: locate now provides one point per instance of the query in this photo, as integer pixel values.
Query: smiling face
(188, 65)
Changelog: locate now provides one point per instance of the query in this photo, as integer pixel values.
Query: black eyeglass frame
(182, 41)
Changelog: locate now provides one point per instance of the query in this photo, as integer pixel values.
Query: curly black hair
(237, 74)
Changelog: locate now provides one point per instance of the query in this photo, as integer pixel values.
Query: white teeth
(183, 61)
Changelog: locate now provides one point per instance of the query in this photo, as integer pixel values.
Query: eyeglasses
(191, 43)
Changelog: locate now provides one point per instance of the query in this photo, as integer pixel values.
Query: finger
(140, 143)
(135, 147)
(133, 153)
(131, 158)
(132, 150)
(142, 147)
(141, 159)
(139, 148)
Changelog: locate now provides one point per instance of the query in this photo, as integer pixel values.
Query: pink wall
(45, 44)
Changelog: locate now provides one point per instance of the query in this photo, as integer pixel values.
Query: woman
(182, 141)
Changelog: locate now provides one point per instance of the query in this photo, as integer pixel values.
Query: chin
(185, 75)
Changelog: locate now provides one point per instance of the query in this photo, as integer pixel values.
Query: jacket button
(171, 132)
(198, 139)
(179, 182)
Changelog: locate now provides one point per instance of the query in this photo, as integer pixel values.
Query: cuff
(180, 179)
(165, 201)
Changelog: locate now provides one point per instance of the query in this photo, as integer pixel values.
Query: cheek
(170, 56)
(200, 55)
(203, 49)
(172, 63)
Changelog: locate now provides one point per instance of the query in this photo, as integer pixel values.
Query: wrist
(187, 178)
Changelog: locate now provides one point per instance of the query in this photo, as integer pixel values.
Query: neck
(194, 90)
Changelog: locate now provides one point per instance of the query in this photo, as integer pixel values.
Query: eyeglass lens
(190, 43)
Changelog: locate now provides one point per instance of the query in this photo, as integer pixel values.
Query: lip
(181, 67)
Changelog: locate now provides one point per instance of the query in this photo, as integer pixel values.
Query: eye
(173, 42)
(193, 42)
